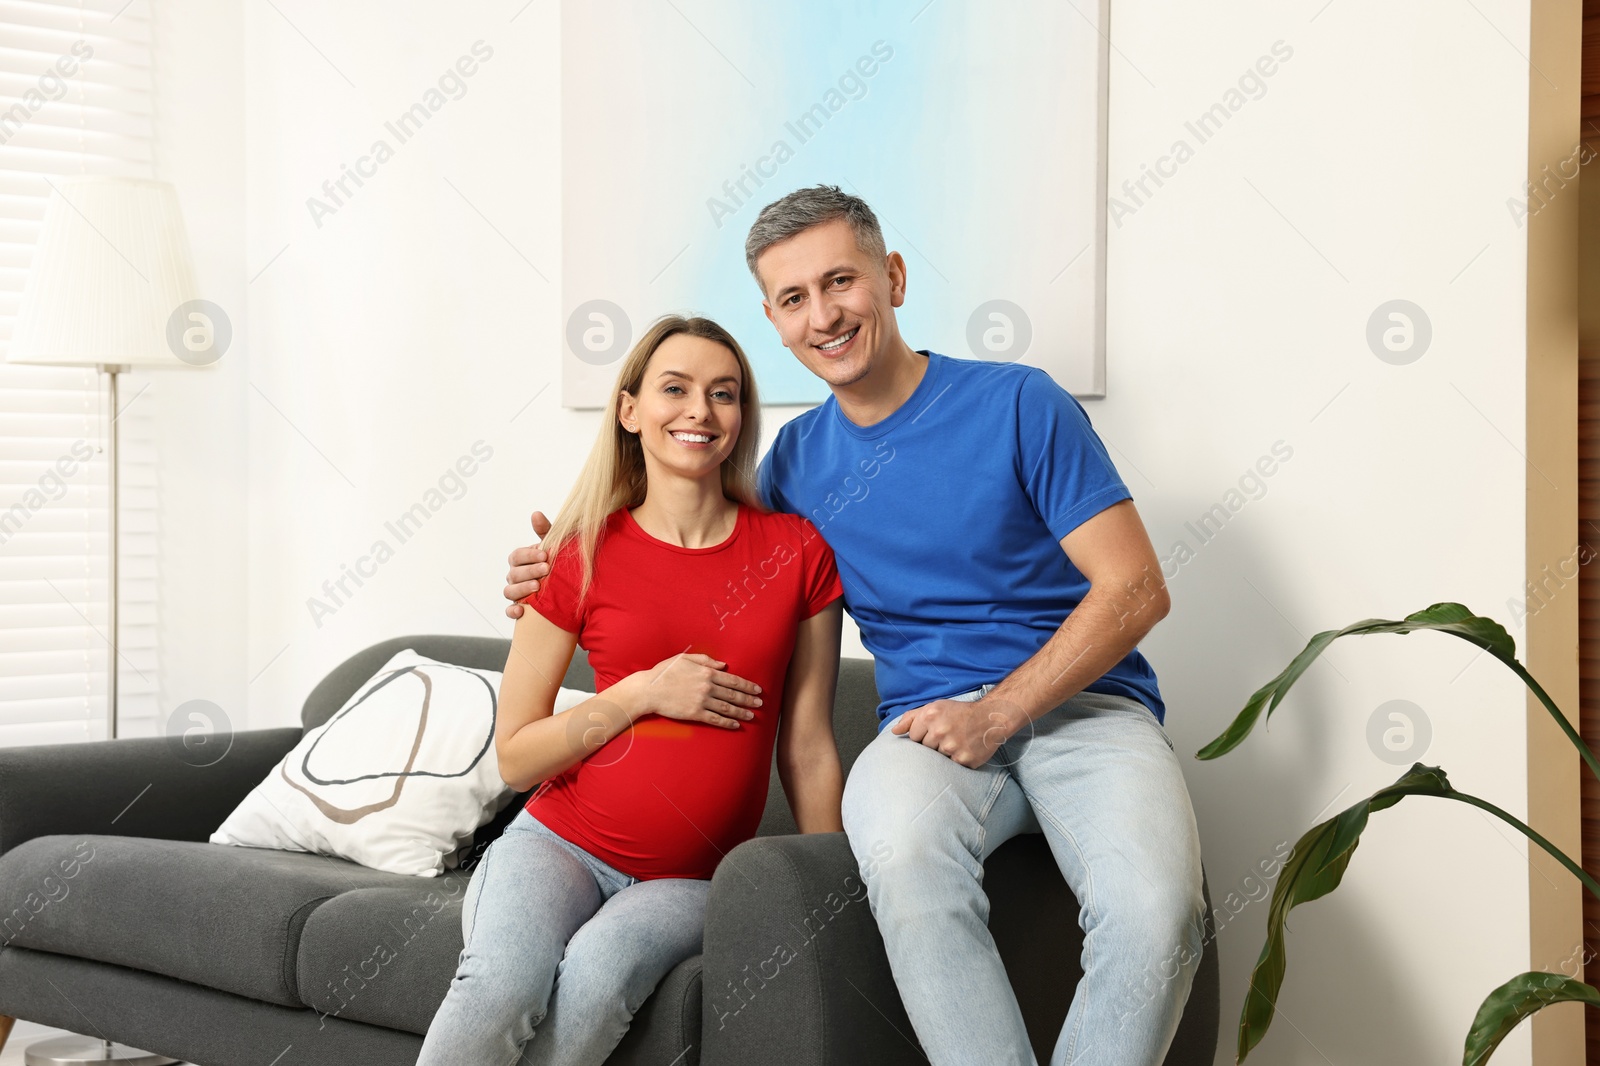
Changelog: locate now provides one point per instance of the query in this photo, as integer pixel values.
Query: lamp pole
(113, 475)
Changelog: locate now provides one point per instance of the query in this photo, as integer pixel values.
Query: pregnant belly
(669, 797)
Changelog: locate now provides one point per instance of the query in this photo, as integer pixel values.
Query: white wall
(377, 348)
(1376, 166)
(203, 602)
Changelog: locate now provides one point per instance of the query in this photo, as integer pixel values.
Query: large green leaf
(1316, 867)
(1452, 618)
(1513, 1001)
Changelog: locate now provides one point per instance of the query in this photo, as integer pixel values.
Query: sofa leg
(5, 1030)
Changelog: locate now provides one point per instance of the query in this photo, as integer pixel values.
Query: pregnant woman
(713, 629)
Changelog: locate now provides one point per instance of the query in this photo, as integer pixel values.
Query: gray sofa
(118, 919)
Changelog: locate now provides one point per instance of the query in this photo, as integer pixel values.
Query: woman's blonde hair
(614, 475)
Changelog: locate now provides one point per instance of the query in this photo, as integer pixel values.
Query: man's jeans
(558, 941)
(1098, 776)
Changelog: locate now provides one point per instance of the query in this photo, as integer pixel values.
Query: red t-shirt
(668, 798)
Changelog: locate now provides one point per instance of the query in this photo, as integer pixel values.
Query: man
(1002, 579)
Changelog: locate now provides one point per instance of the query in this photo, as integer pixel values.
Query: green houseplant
(1320, 857)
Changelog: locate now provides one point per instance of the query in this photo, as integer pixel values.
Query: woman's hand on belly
(691, 688)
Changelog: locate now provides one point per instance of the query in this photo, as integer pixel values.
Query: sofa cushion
(384, 955)
(184, 1020)
(225, 917)
(399, 780)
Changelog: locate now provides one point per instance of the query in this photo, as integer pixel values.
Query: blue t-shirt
(945, 519)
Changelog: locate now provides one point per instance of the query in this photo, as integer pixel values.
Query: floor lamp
(111, 286)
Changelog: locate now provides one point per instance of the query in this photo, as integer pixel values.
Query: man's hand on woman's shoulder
(528, 565)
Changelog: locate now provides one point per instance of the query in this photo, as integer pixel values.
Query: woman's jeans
(561, 950)
(1098, 776)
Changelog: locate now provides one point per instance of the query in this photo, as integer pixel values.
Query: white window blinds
(75, 98)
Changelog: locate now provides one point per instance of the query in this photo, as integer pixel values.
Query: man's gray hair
(804, 208)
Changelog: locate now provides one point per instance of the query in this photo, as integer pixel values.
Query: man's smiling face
(833, 304)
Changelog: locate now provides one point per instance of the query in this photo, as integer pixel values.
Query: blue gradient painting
(975, 132)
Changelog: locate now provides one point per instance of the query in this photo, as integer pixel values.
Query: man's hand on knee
(968, 733)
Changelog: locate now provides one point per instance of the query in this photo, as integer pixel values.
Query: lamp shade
(110, 269)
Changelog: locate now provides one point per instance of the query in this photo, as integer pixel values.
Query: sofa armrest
(133, 786)
(794, 967)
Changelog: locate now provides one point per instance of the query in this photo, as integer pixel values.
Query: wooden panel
(1589, 123)
(1588, 542)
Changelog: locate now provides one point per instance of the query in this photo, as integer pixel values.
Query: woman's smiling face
(687, 413)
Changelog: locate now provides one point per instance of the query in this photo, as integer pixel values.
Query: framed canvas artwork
(976, 132)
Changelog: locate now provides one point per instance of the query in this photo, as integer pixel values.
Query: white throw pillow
(399, 779)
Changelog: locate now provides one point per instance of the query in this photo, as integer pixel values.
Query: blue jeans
(1099, 778)
(561, 950)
